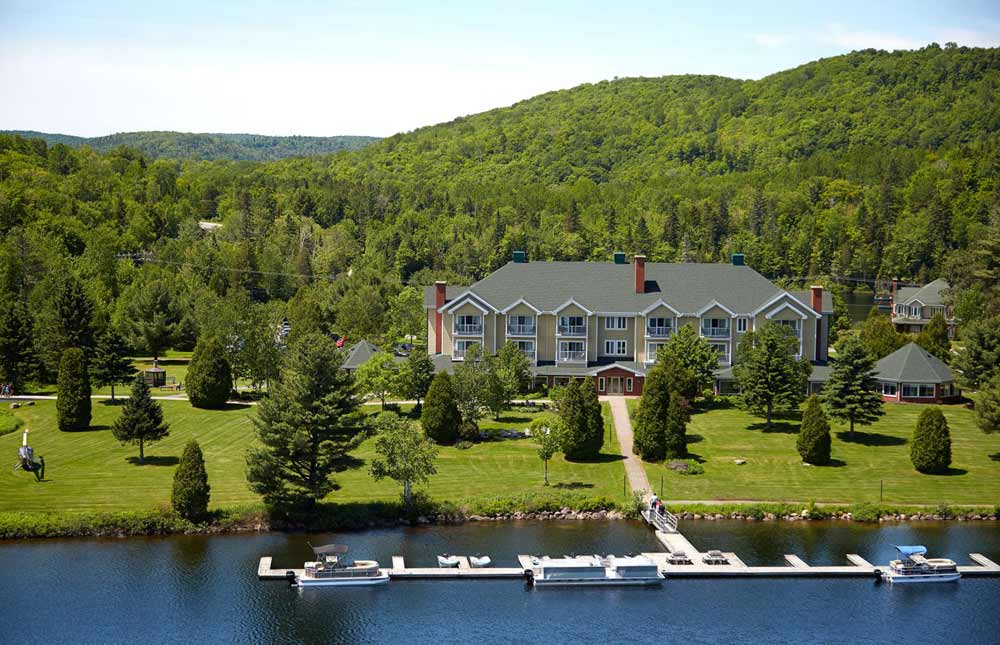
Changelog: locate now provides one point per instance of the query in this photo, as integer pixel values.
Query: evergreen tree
(934, 338)
(416, 375)
(440, 417)
(850, 393)
(149, 313)
(769, 376)
(191, 490)
(141, 421)
(404, 454)
(581, 424)
(305, 426)
(73, 403)
(378, 377)
(988, 406)
(17, 354)
(663, 413)
(111, 364)
(690, 351)
(66, 320)
(813, 442)
(209, 378)
(979, 359)
(879, 336)
(930, 449)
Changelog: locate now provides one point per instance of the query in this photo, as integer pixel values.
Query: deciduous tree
(209, 379)
(690, 351)
(404, 454)
(879, 336)
(934, 338)
(379, 377)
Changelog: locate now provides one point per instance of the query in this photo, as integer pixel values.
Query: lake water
(859, 304)
(196, 589)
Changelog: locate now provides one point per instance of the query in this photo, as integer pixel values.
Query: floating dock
(674, 543)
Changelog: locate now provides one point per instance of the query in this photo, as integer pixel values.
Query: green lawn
(880, 452)
(90, 471)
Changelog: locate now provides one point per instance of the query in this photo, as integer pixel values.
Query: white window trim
(600, 383)
(651, 355)
(616, 320)
(616, 344)
(628, 383)
(902, 386)
(742, 324)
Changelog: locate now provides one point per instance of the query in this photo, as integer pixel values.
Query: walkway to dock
(623, 428)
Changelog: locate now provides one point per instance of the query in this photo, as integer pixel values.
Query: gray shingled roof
(805, 297)
(930, 294)
(360, 352)
(913, 364)
(608, 287)
(820, 373)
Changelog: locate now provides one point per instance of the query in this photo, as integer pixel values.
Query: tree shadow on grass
(572, 485)
(109, 402)
(96, 428)
(603, 458)
(228, 407)
(695, 438)
(155, 460)
(512, 419)
(952, 472)
(782, 427)
(833, 463)
(693, 457)
(870, 438)
(995, 456)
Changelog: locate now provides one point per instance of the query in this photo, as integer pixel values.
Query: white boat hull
(360, 581)
(898, 579)
(599, 582)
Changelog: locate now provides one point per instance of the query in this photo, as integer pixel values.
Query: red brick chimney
(439, 299)
(640, 273)
(817, 298)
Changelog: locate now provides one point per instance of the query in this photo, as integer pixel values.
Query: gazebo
(911, 374)
(155, 376)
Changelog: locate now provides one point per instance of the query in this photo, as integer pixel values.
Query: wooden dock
(265, 572)
(463, 570)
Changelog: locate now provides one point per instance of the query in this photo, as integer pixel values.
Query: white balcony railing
(469, 329)
(715, 332)
(572, 330)
(571, 357)
(529, 354)
(521, 330)
(658, 332)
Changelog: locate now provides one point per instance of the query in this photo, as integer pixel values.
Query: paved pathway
(623, 427)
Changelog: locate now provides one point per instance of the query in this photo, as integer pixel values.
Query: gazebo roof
(913, 364)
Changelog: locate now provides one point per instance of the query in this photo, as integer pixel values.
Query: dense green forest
(208, 146)
(866, 165)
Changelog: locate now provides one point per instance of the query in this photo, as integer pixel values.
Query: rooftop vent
(619, 257)
(739, 259)
(520, 257)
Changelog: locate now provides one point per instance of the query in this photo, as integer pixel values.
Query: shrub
(930, 451)
(468, 431)
(191, 490)
(440, 417)
(209, 377)
(73, 404)
(464, 445)
(813, 442)
(865, 512)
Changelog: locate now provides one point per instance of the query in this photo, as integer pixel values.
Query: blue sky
(323, 68)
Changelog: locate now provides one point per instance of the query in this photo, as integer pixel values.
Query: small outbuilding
(911, 374)
(155, 376)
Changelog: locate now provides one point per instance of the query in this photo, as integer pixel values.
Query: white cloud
(772, 40)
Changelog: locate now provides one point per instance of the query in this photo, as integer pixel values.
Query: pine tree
(111, 364)
(305, 427)
(813, 442)
(141, 421)
(581, 424)
(930, 449)
(440, 417)
(191, 491)
(73, 403)
(209, 378)
(17, 354)
(769, 376)
(988, 406)
(979, 360)
(67, 321)
(662, 415)
(934, 338)
(850, 393)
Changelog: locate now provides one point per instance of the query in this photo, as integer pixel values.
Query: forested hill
(209, 146)
(867, 165)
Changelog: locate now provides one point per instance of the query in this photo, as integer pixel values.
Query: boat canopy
(912, 550)
(330, 549)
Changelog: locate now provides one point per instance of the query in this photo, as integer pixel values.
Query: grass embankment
(91, 472)
(721, 434)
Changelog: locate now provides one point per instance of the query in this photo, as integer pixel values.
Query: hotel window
(723, 350)
(659, 327)
(600, 383)
(528, 347)
(615, 348)
(462, 346)
(628, 384)
(469, 324)
(715, 327)
(915, 311)
(918, 390)
(572, 325)
(741, 325)
(616, 323)
(889, 389)
(651, 350)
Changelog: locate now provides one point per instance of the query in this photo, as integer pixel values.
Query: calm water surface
(196, 589)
